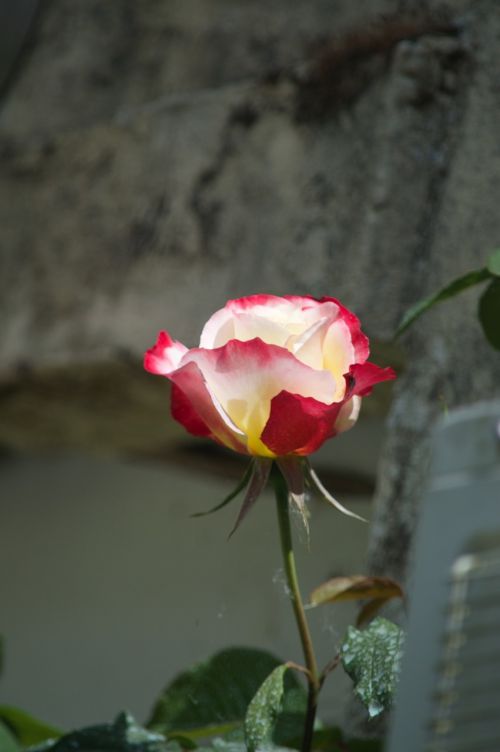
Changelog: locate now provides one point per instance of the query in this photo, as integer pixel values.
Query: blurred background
(157, 158)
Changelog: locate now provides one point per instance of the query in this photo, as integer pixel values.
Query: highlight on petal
(308, 347)
(339, 354)
(165, 355)
(205, 411)
(359, 339)
(218, 330)
(245, 377)
(348, 415)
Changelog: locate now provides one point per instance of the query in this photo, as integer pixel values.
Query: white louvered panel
(467, 697)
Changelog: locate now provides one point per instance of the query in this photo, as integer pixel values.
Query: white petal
(218, 330)
(338, 354)
(348, 414)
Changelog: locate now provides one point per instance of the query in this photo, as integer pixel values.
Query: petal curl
(222, 326)
(362, 377)
(359, 339)
(165, 355)
(245, 377)
(348, 415)
(300, 425)
(272, 318)
(197, 407)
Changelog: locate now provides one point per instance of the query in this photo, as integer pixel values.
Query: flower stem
(281, 492)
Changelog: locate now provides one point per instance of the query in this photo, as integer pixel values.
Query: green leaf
(264, 709)
(372, 658)
(8, 743)
(212, 697)
(124, 735)
(489, 313)
(493, 264)
(290, 722)
(452, 289)
(234, 493)
(276, 713)
(26, 729)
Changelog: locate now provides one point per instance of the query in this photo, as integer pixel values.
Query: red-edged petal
(191, 383)
(359, 339)
(362, 377)
(245, 376)
(298, 425)
(251, 301)
(183, 412)
(165, 355)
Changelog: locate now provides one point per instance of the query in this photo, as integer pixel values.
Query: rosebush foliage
(273, 378)
(489, 302)
(241, 700)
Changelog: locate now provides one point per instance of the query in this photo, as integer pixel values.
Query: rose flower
(273, 377)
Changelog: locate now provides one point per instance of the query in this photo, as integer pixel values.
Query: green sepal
(234, 493)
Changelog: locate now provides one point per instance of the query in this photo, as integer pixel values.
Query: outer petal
(184, 413)
(198, 411)
(299, 425)
(245, 376)
(165, 356)
(362, 377)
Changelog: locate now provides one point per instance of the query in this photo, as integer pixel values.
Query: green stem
(281, 492)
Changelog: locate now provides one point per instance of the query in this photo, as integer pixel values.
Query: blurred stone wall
(158, 158)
